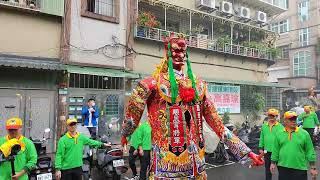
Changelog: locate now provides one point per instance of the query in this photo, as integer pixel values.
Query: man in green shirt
(26, 158)
(292, 151)
(140, 142)
(268, 131)
(309, 120)
(70, 151)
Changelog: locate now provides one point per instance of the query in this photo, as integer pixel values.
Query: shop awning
(101, 71)
(239, 82)
(224, 81)
(31, 62)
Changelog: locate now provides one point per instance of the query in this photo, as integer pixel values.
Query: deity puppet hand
(256, 160)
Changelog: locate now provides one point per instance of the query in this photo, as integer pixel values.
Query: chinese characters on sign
(226, 98)
(176, 127)
(198, 118)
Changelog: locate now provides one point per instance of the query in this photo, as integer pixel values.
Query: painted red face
(178, 50)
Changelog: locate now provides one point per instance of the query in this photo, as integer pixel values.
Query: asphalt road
(228, 171)
(239, 172)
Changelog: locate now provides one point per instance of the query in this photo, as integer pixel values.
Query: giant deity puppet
(177, 103)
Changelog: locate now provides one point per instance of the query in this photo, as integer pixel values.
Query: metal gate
(35, 107)
(110, 103)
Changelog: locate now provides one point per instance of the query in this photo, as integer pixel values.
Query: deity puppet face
(178, 50)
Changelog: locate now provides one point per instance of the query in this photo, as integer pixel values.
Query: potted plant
(275, 52)
(63, 80)
(254, 106)
(199, 40)
(255, 47)
(222, 41)
(226, 118)
(145, 21)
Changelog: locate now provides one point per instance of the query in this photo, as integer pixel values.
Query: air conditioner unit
(206, 5)
(261, 17)
(226, 7)
(244, 12)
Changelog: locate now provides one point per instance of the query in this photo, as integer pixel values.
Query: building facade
(30, 64)
(229, 44)
(96, 59)
(297, 65)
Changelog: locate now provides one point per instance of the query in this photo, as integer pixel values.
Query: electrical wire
(304, 28)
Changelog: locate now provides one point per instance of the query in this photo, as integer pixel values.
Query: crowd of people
(177, 104)
(287, 146)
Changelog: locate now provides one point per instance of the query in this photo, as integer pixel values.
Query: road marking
(211, 166)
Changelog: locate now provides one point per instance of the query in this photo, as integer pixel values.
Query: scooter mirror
(47, 130)
(46, 134)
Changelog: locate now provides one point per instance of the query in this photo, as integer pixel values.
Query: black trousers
(310, 131)
(144, 163)
(93, 132)
(292, 174)
(72, 174)
(267, 163)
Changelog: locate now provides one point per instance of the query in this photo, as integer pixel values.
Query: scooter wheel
(116, 176)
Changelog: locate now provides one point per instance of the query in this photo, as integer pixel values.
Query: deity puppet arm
(136, 106)
(236, 146)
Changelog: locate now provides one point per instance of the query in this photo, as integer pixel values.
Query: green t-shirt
(135, 138)
(309, 120)
(145, 129)
(293, 150)
(141, 137)
(70, 151)
(26, 159)
(267, 135)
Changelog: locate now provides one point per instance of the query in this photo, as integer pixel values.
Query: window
(303, 10)
(106, 10)
(112, 105)
(281, 3)
(95, 82)
(284, 53)
(103, 7)
(302, 63)
(304, 36)
(274, 27)
(283, 26)
(280, 27)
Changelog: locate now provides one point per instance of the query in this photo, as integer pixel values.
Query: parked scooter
(250, 136)
(43, 169)
(110, 160)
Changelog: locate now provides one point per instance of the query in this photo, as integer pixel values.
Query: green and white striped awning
(101, 71)
(31, 62)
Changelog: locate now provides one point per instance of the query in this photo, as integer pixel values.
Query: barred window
(95, 82)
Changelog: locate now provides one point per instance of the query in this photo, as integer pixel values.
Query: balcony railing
(202, 42)
(54, 7)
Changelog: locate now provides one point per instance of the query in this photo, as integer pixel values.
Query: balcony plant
(146, 20)
(193, 35)
(222, 41)
(255, 47)
(63, 80)
(275, 52)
